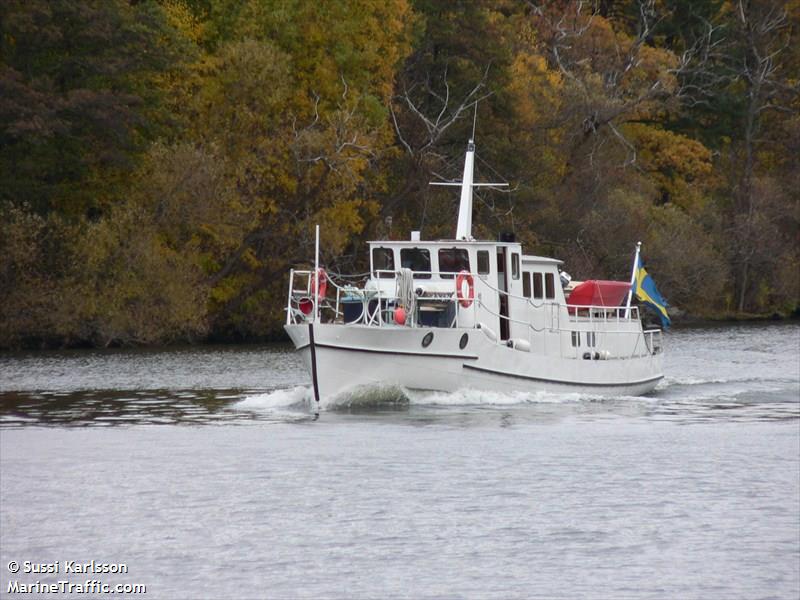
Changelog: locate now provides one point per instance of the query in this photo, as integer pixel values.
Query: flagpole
(633, 279)
(316, 274)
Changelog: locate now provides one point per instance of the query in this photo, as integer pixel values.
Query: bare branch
(446, 116)
(399, 133)
(631, 148)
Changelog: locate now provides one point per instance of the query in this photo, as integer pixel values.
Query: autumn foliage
(163, 162)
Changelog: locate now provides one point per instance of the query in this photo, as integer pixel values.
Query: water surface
(206, 472)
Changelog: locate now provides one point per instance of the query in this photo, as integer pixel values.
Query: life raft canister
(322, 276)
(465, 297)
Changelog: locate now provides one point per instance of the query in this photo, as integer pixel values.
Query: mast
(634, 270)
(464, 228)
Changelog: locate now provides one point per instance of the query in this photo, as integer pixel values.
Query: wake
(388, 397)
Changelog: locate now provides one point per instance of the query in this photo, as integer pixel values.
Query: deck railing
(376, 304)
(377, 309)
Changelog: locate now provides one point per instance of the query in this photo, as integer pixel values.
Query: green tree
(77, 98)
(291, 99)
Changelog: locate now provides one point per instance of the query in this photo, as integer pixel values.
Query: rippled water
(205, 471)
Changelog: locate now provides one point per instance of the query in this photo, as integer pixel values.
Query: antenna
(474, 121)
(464, 225)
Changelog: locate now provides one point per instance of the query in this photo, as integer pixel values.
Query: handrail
(289, 298)
(566, 329)
(531, 301)
(592, 315)
(331, 276)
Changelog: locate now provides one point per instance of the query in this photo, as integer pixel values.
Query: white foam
(295, 397)
(469, 397)
(376, 396)
(366, 397)
(389, 395)
(691, 380)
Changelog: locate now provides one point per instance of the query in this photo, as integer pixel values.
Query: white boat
(456, 314)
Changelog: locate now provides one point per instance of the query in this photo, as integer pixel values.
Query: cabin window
(383, 260)
(576, 339)
(549, 286)
(526, 284)
(538, 289)
(515, 266)
(418, 260)
(591, 340)
(451, 261)
(483, 262)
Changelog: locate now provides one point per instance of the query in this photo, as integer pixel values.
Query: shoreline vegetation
(163, 162)
(280, 337)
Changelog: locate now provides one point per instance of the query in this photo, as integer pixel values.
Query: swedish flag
(645, 289)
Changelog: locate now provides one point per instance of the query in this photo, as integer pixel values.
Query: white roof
(527, 258)
(446, 243)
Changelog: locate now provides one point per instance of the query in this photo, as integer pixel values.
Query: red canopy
(599, 293)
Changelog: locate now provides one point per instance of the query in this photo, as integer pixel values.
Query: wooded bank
(162, 163)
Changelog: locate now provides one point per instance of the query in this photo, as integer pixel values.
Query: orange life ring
(465, 300)
(323, 284)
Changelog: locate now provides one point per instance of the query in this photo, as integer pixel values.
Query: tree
(292, 101)
(78, 98)
(765, 34)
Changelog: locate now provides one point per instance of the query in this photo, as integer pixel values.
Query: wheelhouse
(504, 280)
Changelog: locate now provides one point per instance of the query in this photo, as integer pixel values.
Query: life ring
(465, 300)
(323, 284)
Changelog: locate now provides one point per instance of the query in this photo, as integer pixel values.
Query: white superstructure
(454, 314)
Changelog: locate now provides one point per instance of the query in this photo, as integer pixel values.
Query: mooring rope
(405, 290)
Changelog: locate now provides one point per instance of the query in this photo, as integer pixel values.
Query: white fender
(523, 345)
(487, 332)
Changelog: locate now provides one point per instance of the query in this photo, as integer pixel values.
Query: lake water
(204, 472)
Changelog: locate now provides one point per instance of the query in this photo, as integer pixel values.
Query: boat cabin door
(502, 285)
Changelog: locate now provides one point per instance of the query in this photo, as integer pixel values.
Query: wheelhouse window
(453, 260)
(383, 260)
(418, 260)
(549, 286)
(538, 288)
(515, 266)
(526, 284)
(483, 262)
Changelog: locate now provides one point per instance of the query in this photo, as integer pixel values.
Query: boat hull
(343, 358)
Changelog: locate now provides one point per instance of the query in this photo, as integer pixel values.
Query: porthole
(463, 342)
(426, 341)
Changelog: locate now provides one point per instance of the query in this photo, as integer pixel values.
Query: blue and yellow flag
(645, 289)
